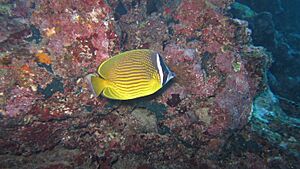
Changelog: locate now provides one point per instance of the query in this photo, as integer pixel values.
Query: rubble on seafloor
(50, 120)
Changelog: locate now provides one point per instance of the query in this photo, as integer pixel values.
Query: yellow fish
(130, 75)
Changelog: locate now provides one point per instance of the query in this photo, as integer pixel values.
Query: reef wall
(49, 119)
(275, 26)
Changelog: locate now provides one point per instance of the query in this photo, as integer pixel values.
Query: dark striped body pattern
(130, 75)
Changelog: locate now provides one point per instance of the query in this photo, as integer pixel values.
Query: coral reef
(275, 26)
(276, 111)
(49, 118)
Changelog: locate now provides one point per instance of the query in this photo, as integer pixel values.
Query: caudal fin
(96, 83)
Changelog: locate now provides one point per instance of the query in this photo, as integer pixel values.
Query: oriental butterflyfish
(130, 75)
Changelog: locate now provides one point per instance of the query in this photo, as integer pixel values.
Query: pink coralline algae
(225, 61)
(191, 74)
(79, 33)
(190, 17)
(21, 101)
(206, 58)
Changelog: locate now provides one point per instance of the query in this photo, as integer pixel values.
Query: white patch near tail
(89, 82)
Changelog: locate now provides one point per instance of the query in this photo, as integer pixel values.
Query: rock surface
(49, 119)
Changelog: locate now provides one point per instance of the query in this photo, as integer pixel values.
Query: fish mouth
(172, 74)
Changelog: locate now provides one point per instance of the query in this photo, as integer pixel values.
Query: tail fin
(96, 83)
